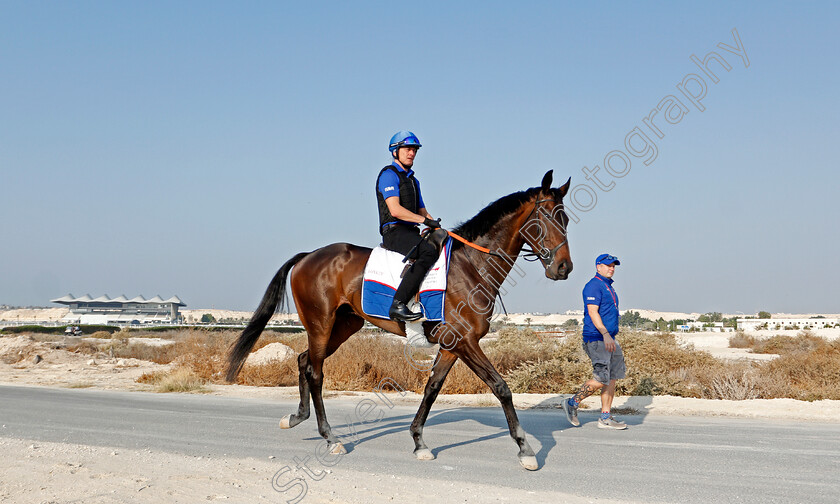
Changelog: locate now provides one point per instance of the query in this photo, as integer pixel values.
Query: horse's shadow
(545, 422)
(353, 434)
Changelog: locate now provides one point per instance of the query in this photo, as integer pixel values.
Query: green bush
(86, 329)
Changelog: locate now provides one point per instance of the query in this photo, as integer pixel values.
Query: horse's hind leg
(345, 325)
(433, 386)
(302, 414)
(475, 358)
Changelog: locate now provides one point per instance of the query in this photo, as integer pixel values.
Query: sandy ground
(40, 472)
(52, 473)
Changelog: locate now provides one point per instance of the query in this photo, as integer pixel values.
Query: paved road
(658, 459)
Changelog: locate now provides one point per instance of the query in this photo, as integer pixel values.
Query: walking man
(401, 211)
(600, 326)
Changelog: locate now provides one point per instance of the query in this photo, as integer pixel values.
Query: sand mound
(13, 349)
(272, 352)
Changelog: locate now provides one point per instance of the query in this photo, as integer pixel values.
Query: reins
(472, 245)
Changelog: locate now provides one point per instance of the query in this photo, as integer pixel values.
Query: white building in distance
(785, 323)
(705, 327)
(120, 310)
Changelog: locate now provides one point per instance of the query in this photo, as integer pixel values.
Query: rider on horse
(401, 211)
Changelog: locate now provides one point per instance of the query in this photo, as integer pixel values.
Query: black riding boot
(409, 286)
(399, 311)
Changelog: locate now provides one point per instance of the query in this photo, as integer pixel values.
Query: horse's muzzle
(559, 270)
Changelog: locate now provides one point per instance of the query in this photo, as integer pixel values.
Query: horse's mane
(484, 220)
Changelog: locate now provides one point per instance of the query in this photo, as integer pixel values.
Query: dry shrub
(741, 340)
(735, 383)
(178, 380)
(657, 364)
(84, 347)
(163, 354)
(205, 353)
(114, 347)
(272, 374)
(526, 362)
(365, 360)
(118, 346)
(812, 375)
(803, 342)
(515, 347)
(47, 338)
(101, 335)
(460, 380)
(171, 334)
(562, 368)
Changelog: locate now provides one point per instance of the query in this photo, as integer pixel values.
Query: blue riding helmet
(403, 139)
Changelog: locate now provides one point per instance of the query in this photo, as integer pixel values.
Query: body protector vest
(409, 197)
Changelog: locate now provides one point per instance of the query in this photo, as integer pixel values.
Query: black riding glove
(434, 224)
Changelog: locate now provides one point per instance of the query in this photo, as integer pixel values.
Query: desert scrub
(809, 368)
(177, 380)
(805, 341)
(658, 365)
(808, 374)
(562, 367)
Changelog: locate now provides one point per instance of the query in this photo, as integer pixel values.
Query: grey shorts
(606, 365)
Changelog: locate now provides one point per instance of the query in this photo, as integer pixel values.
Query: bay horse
(327, 290)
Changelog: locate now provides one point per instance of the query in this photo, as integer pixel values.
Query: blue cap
(607, 259)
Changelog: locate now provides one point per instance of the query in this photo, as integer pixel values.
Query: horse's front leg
(475, 358)
(433, 385)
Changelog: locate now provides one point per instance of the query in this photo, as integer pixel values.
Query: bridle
(545, 255)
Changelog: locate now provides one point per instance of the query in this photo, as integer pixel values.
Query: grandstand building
(120, 310)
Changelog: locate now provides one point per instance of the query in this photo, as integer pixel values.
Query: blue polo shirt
(599, 291)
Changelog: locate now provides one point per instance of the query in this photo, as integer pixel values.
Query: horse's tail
(275, 295)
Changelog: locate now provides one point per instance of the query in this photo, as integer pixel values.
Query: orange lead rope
(469, 243)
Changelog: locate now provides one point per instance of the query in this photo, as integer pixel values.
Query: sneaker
(571, 413)
(611, 423)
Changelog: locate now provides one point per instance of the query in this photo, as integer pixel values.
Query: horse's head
(544, 229)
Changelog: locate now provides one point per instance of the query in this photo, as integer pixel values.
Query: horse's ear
(565, 187)
(546, 181)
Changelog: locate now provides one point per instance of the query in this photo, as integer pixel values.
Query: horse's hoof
(424, 454)
(338, 449)
(529, 462)
(285, 422)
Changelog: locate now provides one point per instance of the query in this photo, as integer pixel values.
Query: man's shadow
(632, 410)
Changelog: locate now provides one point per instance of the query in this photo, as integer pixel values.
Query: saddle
(384, 270)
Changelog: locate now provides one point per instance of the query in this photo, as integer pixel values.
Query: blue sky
(191, 148)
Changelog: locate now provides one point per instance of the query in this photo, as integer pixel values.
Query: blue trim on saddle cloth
(378, 293)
